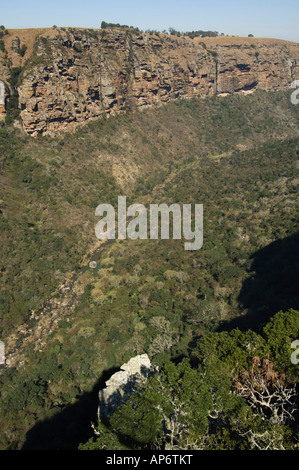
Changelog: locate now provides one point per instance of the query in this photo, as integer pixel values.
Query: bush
(23, 50)
(78, 47)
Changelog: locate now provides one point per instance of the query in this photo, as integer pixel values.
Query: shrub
(23, 50)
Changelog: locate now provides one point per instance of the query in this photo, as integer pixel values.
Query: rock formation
(72, 76)
(2, 101)
(124, 383)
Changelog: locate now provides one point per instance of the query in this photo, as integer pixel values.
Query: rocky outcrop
(2, 112)
(124, 383)
(74, 75)
(2, 101)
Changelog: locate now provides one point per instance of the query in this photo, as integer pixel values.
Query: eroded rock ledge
(73, 76)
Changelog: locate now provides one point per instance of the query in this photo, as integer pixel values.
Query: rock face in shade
(72, 76)
(124, 383)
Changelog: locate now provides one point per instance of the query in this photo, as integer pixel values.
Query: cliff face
(73, 75)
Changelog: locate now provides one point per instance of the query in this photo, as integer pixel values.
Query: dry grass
(27, 37)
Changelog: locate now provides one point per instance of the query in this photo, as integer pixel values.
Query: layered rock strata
(74, 75)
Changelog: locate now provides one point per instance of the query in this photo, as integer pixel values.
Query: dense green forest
(216, 321)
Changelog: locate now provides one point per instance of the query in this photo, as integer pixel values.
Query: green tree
(177, 403)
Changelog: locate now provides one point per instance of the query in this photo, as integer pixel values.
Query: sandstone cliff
(70, 76)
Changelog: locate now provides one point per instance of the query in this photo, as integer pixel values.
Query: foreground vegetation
(232, 394)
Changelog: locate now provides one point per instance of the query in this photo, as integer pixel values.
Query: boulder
(121, 385)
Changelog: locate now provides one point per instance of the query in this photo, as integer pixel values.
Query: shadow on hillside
(71, 426)
(272, 286)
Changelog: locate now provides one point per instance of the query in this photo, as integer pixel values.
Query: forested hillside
(215, 321)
